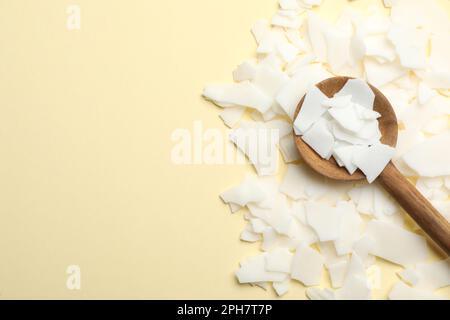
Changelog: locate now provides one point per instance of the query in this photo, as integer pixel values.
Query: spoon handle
(420, 209)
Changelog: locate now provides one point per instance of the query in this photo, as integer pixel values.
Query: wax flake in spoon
(346, 128)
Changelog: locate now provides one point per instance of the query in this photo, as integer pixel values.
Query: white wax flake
(231, 116)
(401, 291)
(424, 93)
(258, 143)
(411, 46)
(379, 74)
(355, 286)
(350, 227)
(291, 94)
(409, 247)
(338, 101)
(345, 156)
(287, 51)
(320, 139)
(289, 149)
(302, 183)
(281, 288)
(285, 21)
(243, 94)
(311, 3)
(372, 160)
(269, 81)
(248, 191)
(428, 276)
(347, 117)
(338, 45)
(328, 251)
(248, 235)
(324, 219)
(360, 91)
(307, 266)
(337, 273)
(289, 4)
(245, 71)
(311, 111)
(363, 247)
(278, 216)
(316, 28)
(260, 30)
(295, 39)
(427, 158)
(320, 294)
(279, 260)
(379, 48)
(253, 270)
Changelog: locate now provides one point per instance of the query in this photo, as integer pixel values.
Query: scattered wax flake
(258, 143)
(360, 92)
(363, 247)
(372, 160)
(437, 125)
(234, 207)
(328, 251)
(355, 286)
(311, 111)
(243, 94)
(401, 291)
(294, 37)
(307, 266)
(302, 183)
(231, 116)
(280, 19)
(279, 260)
(269, 42)
(299, 63)
(383, 203)
(248, 235)
(427, 159)
(379, 48)
(389, 3)
(281, 288)
(253, 270)
(428, 276)
(320, 138)
(306, 234)
(245, 71)
(424, 14)
(316, 28)
(380, 74)
(411, 46)
(324, 219)
(338, 45)
(350, 227)
(287, 51)
(291, 94)
(278, 217)
(289, 4)
(425, 93)
(320, 294)
(258, 225)
(337, 273)
(248, 191)
(269, 81)
(409, 247)
(260, 30)
(289, 149)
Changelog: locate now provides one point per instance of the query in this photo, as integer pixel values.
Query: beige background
(85, 173)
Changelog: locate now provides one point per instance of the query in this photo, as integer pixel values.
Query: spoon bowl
(387, 124)
(415, 204)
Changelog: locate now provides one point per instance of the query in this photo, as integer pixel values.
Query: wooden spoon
(419, 208)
